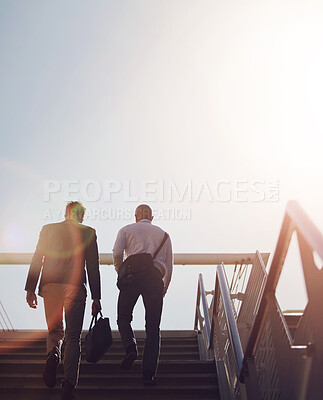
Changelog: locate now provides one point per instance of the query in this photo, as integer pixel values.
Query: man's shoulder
(142, 227)
(129, 226)
(161, 233)
(63, 224)
(52, 226)
(87, 228)
(87, 231)
(156, 228)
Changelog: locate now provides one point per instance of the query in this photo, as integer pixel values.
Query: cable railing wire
(6, 322)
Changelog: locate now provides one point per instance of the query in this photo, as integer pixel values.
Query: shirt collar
(145, 220)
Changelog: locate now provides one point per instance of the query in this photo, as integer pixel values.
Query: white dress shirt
(144, 237)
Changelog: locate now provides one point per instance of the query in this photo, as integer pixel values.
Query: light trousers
(60, 298)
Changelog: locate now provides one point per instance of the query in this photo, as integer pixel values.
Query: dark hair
(75, 210)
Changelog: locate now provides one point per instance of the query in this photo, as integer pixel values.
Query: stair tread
(113, 362)
(118, 387)
(121, 351)
(22, 334)
(120, 373)
(145, 393)
(181, 375)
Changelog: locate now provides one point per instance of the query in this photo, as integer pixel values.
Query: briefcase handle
(94, 319)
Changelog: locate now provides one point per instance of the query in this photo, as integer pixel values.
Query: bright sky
(118, 102)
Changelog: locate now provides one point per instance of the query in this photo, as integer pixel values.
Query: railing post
(198, 297)
(232, 325)
(207, 324)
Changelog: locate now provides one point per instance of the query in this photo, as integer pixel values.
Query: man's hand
(96, 306)
(31, 299)
(117, 261)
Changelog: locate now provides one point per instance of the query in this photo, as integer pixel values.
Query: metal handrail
(295, 219)
(230, 318)
(260, 365)
(179, 258)
(306, 227)
(206, 316)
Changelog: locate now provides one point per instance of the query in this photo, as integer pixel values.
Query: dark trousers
(151, 288)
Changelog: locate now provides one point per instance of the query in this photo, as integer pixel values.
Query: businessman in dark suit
(63, 252)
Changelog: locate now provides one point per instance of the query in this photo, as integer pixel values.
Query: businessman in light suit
(64, 251)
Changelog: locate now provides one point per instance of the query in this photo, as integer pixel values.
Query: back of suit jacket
(63, 252)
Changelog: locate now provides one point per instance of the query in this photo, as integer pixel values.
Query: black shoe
(148, 379)
(129, 358)
(67, 391)
(150, 382)
(49, 375)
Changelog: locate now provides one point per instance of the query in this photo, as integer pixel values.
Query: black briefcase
(98, 339)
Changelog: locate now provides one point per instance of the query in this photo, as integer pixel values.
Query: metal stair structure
(181, 374)
(262, 352)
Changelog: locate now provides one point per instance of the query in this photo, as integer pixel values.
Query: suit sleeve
(36, 262)
(92, 266)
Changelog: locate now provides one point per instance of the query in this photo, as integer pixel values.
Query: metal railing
(295, 362)
(179, 258)
(212, 259)
(217, 323)
(5, 322)
(275, 363)
(230, 318)
(251, 299)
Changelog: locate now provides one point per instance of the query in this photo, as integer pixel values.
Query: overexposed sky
(131, 99)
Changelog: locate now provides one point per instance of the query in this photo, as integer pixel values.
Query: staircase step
(181, 375)
(107, 356)
(41, 345)
(166, 365)
(113, 378)
(115, 349)
(203, 392)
